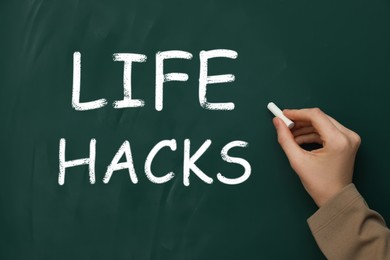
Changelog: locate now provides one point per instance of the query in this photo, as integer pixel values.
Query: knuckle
(355, 139)
(347, 142)
(316, 111)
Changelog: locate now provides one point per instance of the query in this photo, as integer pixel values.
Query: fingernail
(276, 122)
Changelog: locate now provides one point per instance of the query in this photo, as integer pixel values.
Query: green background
(329, 54)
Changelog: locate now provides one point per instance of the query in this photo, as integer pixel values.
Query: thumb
(286, 140)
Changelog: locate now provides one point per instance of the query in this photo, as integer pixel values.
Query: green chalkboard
(329, 54)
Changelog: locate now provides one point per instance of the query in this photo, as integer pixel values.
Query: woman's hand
(326, 171)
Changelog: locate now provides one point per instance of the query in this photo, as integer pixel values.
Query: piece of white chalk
(277, 112)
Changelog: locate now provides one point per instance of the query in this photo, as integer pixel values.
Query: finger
(308, 139)
(304, 130)
(286, 140)
(348, 132)
(316, 117)
(338, 125)
(301, 124)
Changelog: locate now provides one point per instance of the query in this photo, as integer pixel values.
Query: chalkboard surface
(329, 54)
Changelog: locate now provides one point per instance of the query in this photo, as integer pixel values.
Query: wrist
(329, 194)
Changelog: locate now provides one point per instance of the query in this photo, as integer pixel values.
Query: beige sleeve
(345, 228)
